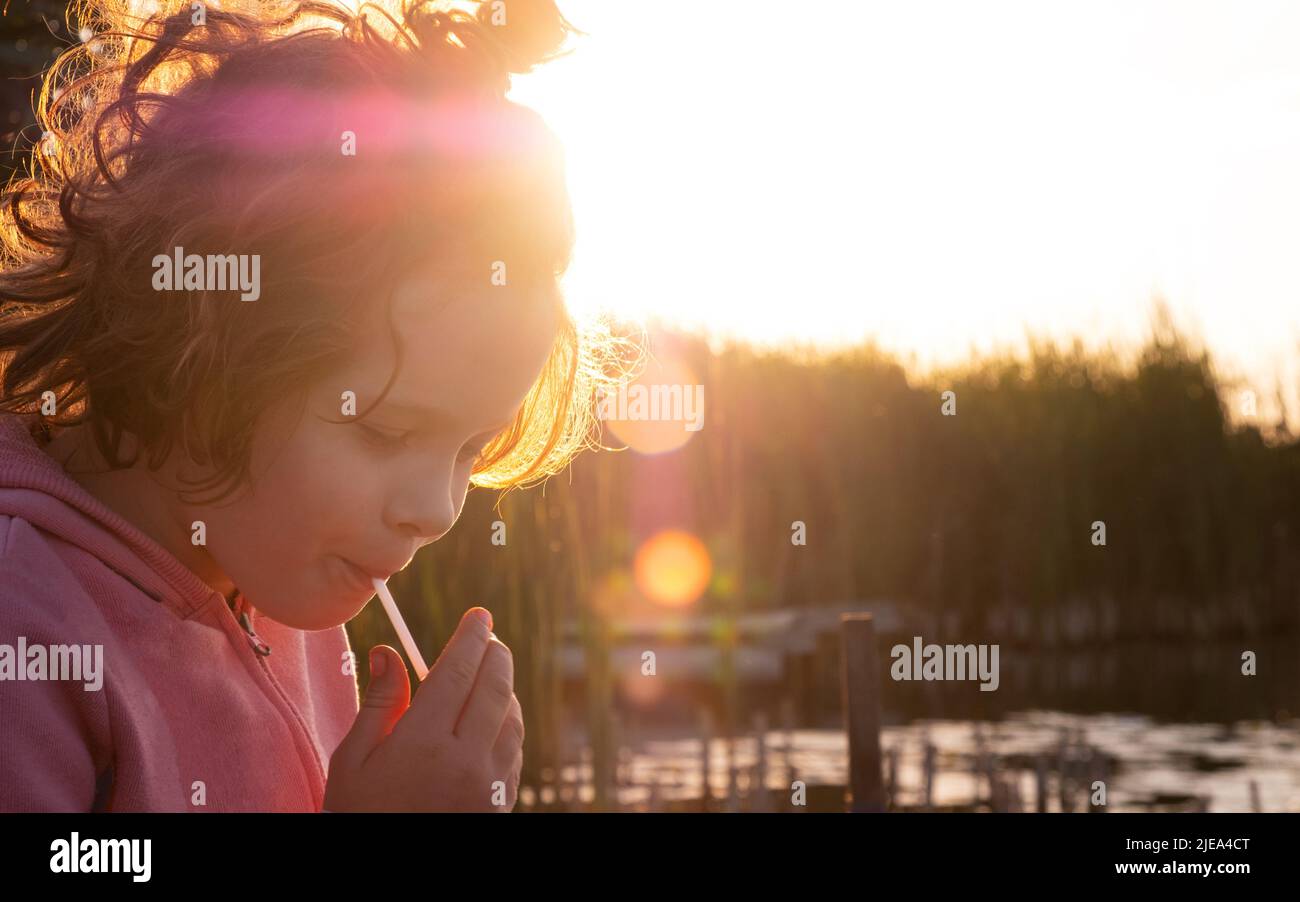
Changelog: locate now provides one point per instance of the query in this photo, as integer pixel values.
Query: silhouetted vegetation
(983, 519)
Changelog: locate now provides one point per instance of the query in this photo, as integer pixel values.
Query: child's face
(326, 498)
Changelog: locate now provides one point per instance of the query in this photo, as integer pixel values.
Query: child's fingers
(387, 696)
(443, 693)
(508, 759)
(491, 698)
(511, 735)
(508, 753)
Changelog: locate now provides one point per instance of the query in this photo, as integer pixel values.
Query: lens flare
(672, 568)
(660, 411)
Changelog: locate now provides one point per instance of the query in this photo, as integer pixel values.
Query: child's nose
(427, 525)
(424, 509)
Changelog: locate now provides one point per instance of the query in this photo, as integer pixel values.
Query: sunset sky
(938, 174)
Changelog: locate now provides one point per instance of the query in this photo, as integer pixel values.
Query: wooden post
(1094, 774)
(759, 787)
(1014, 801)
(861, 692)
(733, 780)
(1040, 782)
(891, 778)
(1254, 797)
(927, 765)
(787, 759)
(996, 801)
(1062, 769)
(706, 742)
(614, 775)
(733, 784)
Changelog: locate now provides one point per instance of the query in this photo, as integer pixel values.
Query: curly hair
(176, 124)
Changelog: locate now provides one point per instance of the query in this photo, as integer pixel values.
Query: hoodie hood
(35, 487)
(194, 712)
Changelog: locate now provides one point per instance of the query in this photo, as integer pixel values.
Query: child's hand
(445, 750)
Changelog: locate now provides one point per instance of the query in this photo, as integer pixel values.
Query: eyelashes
(469, 454)
(394, 441)
(383, 439)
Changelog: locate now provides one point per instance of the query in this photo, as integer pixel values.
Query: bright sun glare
(937, 175)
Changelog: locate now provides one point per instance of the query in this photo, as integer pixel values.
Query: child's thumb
(388, 695)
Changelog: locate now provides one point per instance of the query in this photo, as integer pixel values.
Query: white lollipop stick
(395, 617)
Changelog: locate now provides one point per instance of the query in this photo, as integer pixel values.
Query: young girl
(281, 284)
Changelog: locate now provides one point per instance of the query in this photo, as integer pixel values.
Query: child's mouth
(357, 577)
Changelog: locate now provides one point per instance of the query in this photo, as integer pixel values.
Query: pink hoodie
(190, 714)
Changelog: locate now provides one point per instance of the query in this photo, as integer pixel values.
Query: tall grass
(970, 516)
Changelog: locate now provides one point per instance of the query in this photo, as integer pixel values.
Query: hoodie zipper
(241, 609)
(246, 621)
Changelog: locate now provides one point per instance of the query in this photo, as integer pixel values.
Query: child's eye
(383, 439)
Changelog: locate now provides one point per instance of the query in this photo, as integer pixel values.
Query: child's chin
(318, 613)
(326, 617)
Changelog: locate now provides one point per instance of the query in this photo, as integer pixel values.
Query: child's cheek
(338, 482)
(319, 491)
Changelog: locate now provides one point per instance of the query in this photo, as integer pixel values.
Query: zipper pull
(246, 622)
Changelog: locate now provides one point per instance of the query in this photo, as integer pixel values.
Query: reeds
(985, 517)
